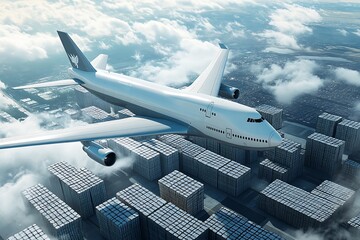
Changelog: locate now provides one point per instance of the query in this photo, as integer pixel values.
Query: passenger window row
(249, 138)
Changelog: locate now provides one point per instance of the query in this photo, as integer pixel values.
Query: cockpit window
(258, 120)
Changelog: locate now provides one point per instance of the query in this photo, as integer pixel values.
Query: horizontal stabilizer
(127, 127)
(58, 83)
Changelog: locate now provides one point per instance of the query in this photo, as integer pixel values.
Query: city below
(184, 187)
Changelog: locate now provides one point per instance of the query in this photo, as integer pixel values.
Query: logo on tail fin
(74, 59)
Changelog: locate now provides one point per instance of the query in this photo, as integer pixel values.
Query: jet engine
(100, 154)
(229, 92)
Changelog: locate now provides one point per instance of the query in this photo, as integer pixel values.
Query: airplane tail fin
(76, 57)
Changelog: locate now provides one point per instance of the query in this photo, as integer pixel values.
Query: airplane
(195, 110)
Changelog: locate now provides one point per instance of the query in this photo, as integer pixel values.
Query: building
(324, 153)
(94, 114)
(271, 114)
(327, 123)
(61, 221)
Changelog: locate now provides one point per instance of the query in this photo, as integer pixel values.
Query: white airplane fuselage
(205, 115)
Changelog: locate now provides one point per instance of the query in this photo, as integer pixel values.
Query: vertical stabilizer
(76, 57)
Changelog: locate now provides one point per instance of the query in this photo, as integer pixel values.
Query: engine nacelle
(229, 92)
(104, 156)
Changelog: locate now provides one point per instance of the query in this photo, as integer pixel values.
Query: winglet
(222, 46)
(76, 57)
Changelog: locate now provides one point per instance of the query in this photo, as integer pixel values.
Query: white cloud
(162, 31)
(236, 29)
(290, 81)
(23, 167)
(349, 76)
(342, 32)
(288, 24)
(357, 32)
(16, 44)
(192, 57)
(138, 56)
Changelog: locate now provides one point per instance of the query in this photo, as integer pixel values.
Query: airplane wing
(58, 83)
(209, 80)
(128, 127)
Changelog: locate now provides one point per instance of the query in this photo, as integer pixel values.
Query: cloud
(17, 44)
(236, 29)
(23, 167)
(347, 75)
(176, 69)
(290, 81)
(288, 24)
(5, 101)
(342, 32)
(357, 32)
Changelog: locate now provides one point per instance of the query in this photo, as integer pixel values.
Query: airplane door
(209, 109)
(229, 133)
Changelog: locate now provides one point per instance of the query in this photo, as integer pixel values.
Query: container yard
(327, 123)
(171, 223)
(94, 114)
(80, 189)
(147, 163)
(30, 233)
(143, 202)
(117, 221)
(349, 131)
(234, 178)
(298, 207)
(61, 220)
(183, 191)
(169, 156)
(271, 114)
(227, 224)
(324, 153)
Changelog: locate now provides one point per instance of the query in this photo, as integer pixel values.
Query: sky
(169, 42)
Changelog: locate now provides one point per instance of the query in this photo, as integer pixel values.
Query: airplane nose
(275, 139)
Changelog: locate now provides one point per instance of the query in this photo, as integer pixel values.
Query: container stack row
(143, 202)
(324, 153)
(327, 123)
(225, 150)
(123, 146)
(171, 223)
(295, 206)
(270, 171)
(183, 191)
(169, 156)
(209, 165)
(94, 114)
(214, 169)
(81, 189)
(188, 162)
(283, 162)
(349, 131)
(147, 163)
(61, 220)
(118, 221)
(335, 193)
(30, 233)
(174, 140)
(234, 178)
(351, 168)
(272, 114)
(226, 224)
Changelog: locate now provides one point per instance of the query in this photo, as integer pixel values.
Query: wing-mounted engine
(100, 154)
(229, 92)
